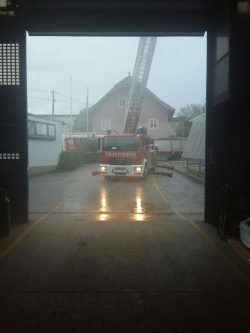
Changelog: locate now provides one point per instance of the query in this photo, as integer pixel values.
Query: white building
(44, 143)
(66, 119)
(195, 145)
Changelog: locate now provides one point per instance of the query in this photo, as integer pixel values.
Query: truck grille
(120, 161)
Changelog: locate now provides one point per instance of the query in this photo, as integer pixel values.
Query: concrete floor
(117, 257)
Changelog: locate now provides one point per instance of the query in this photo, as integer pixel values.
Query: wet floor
(119, 256)
(82, 192)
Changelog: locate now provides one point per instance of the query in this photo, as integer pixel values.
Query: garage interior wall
(13, 120)
(228, 116)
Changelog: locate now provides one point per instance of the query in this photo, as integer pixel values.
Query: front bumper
(122, 170)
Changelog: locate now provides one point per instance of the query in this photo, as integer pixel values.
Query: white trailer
(170, 148)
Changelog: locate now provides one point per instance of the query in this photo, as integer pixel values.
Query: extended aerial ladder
(139, 81)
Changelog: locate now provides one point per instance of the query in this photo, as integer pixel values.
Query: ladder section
(139, 81)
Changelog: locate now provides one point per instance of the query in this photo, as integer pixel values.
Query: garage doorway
(77, 86)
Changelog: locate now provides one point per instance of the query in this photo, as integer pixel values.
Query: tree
(185, 115)
(191, 110)
(80, 123)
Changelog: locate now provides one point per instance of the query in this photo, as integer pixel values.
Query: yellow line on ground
(212, 244)
(193, 211)
(160, 192)
(27, 232)
(242, 251)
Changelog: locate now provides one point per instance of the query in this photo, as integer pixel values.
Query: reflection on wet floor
(104, 207)
(103, 202)
(107, 205)
(107, 213)
(104, 217)
(139, 209)
(138, 206)
(129, 201)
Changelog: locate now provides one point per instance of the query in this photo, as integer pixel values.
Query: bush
(69, 160)
(86, 152)
(88, 146)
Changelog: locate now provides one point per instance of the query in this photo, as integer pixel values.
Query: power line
(48, 99)
(57, 93)
(43, 98)
(73, 99)
(40, 90)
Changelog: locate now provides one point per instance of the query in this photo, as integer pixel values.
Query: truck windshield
(121, 143)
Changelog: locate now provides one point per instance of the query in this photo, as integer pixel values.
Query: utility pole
(87, 109)
(53, 103)
(71, 126)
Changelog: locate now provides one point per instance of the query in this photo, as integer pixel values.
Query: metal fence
(194, 151)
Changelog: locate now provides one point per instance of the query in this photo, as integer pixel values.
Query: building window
(153, 123)
(31, 128)
(122, 102)
(105, 124)
(38, 130)
(41, 129)
(51, 131)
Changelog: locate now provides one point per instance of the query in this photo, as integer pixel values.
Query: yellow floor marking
(191, 211)
(240, 249)
(212, 244)
(160, 192)
(27, 232)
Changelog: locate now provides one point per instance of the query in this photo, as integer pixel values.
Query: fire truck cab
(126, 155)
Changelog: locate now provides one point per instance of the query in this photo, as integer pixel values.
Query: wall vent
(9, 64)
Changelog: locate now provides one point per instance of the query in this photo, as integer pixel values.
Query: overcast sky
(177, 76)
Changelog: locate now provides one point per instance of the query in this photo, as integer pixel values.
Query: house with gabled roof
(109, 113)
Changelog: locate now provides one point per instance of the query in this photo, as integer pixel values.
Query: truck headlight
(138, 169)
(103, 168)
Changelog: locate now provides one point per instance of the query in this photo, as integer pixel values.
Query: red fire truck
(127, 155)
(131, 153)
